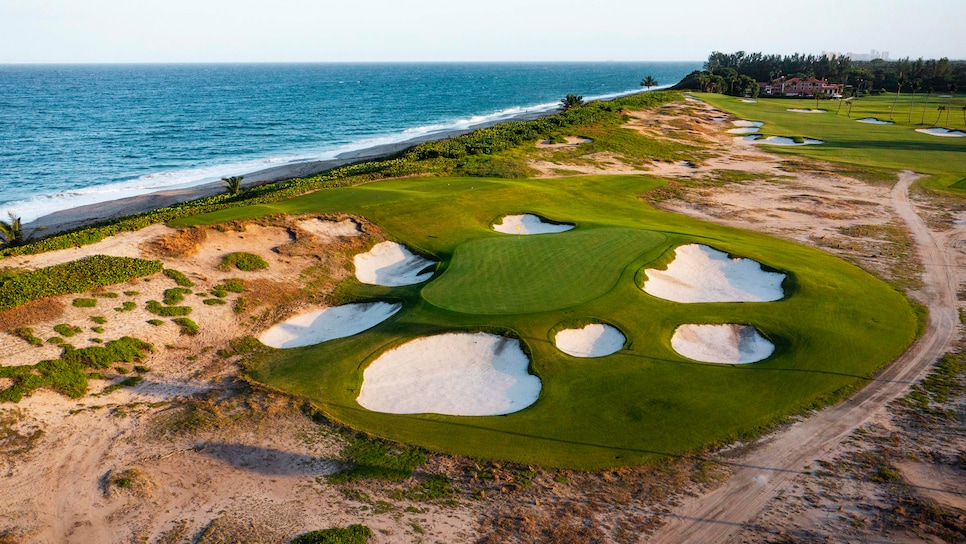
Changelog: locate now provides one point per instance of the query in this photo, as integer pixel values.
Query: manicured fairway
(835, 327)
(896, 147)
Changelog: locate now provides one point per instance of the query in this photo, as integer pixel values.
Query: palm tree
(704, 79)
(941, 109)
(922, 120)
(571, 101)
(649, 82)
(901, 81)
(12, 231)
(915, 86)
(233, 184)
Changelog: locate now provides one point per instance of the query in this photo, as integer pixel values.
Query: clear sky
(42, 31)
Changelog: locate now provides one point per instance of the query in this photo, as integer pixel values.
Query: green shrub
(175, 295)
(126, 306)
(156, 322)
(432, 488)
(213, 301)
(98, 330)
(66, 330)
(55, 340)
(121, 370)
(84, 302)
(106, 295)
(179, 278)
(127, 382)
(141, 369)
(27, 334)
(188, 326)
(68, 374)
(353, 534)
(156, 308)
(99, 319)
(131, 293)
(241, 260)
(74, 277)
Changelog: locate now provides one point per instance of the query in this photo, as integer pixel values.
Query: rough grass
(157, 308)
(179, 277)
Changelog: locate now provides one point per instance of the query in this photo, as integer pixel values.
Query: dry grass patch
(182, 243)
(37, 311)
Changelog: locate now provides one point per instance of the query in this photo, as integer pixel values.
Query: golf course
(832, 327)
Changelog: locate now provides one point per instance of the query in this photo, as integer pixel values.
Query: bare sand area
(592, 340)
(729, 344)
(529, 224)
(328, 324)
(459, 374)
(806, 110)
(392, 264)
(699, 273)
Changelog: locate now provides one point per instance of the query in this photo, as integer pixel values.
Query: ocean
(73, 135)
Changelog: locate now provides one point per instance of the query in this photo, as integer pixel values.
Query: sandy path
(762, 473)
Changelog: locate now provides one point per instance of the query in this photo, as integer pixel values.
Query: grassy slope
(838, 326)
(896, 147)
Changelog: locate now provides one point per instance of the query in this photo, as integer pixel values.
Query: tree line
(734, 73)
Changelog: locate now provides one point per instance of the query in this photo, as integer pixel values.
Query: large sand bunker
(593, 340)
(938, 131)
(328, 324)
(699, 273)
(458, 374)
(745, 127)
(749, 101)
(806, 110)
(528, 224)
(391, 264)
(782, 140)
(874, 121)
(731, 344)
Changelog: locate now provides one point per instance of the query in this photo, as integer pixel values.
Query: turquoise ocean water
(80, 134)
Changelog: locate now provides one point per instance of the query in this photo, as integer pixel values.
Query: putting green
(524, 274)
(834, 329)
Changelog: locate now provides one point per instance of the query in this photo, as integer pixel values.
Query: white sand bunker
(782, 140)
(328, 231)
(699, 273)
(731, 344)
(391, 265)
(937, 131)
(749, 101)
(874, 121)
(806, 110)
(745, 127)
(458, 374)
(528, 224)
(328, 324)
(594, 340)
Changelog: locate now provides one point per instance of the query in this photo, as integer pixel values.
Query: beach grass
(836, 326)
(892, 147)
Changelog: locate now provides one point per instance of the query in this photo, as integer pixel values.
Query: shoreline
(90, 214)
